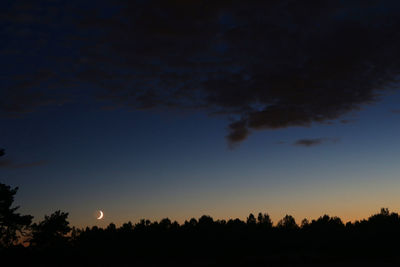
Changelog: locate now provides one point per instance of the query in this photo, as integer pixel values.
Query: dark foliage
(206, 242)
(209, 242)
(51, 232)
(12, 224)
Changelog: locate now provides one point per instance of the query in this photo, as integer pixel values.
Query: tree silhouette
(51, 231)
(12, 224)
(233, 242)
(205, 221)
(264, 220)
(287, 223)
(251, 220)
(304, 223)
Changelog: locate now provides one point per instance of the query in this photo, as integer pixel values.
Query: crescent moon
(101, 215)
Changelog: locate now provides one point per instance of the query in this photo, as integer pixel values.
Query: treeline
(197, 242)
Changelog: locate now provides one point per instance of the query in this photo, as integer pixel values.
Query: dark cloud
(10, 164)
(237, 132)
(34, 43)
(395, 111)
(347, 121)
(314, 141)
(268, 64)
(20, 100)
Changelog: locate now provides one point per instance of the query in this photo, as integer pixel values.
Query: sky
(154, 109)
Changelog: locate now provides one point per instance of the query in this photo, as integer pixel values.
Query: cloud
(267, 64)
(346, 121)
(237, 132)
(314, 141)
(19, 102)
(395, 111)
(9, 164)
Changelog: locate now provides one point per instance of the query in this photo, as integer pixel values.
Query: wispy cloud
(309, 142)
(345, 121)
(9, 164)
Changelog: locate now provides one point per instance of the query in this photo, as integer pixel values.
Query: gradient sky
(91, 118)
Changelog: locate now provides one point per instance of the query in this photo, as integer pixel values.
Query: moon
(101, 215)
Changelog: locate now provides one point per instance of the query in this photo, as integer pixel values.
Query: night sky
(180, 108)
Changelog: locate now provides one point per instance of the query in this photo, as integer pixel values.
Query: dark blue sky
(175, 109)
